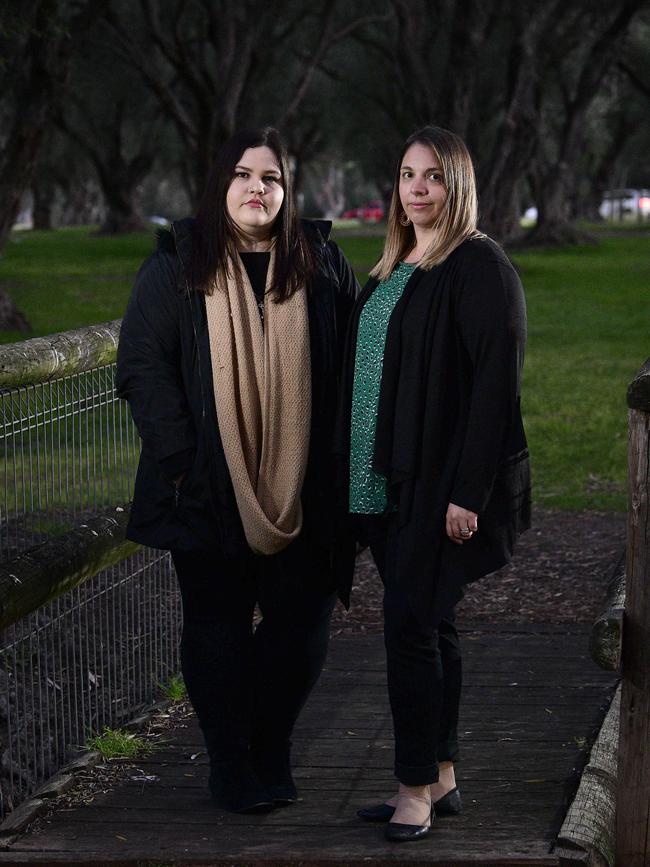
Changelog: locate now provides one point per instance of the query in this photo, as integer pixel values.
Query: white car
(625, 205)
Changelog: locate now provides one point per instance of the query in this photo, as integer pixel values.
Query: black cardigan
(449, 425)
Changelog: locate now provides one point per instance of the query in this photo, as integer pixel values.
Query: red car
(373, 212)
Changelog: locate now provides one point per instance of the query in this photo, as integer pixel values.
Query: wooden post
(633, 790)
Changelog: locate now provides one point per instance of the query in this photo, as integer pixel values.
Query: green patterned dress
(368, 488)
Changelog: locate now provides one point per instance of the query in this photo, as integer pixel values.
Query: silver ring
(465, 531)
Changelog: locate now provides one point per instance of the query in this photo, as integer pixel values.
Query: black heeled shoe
(449, 805)
(235, 787)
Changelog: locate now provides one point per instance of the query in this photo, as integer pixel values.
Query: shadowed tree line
(106, 104)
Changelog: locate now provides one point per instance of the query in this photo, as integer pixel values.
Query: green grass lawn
(588, 313)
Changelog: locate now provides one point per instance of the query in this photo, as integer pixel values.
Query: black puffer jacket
(164, 371)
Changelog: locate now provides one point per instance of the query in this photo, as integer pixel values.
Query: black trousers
(424, 668)
(248, 686)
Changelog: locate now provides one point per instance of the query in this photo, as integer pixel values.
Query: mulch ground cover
(559, 574)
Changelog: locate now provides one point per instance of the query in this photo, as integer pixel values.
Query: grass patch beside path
(588, 314)
(70, 277)
(118, 744)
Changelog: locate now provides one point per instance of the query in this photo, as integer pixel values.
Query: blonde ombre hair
(458, 217)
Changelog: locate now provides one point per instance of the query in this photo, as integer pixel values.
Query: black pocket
(510, 499)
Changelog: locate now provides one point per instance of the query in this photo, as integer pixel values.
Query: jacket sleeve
(149, 367)
(347, 292)
(490, 315)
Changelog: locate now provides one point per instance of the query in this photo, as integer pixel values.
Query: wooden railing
(633, 789)
(608, 822)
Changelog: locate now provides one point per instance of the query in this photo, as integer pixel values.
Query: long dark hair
(215, 234)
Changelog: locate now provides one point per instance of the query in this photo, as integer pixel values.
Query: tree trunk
(519, 131)
(119, 181)
(121, 222)
(470, 28)
(46, 56)
(122, 214)
(554, 227)
(43, 195)
(82, 204)
(11, 318)
(557, 182)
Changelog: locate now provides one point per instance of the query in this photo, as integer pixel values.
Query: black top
(257, 265)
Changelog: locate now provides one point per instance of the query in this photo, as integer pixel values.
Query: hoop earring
(404, 220)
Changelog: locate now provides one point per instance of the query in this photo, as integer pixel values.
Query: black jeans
(424, 668)
(248, 687)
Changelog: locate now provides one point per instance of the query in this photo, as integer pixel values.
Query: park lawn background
(588, 319)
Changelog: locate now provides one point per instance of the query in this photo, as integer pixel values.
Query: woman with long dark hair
(229, 358)
(437, 465)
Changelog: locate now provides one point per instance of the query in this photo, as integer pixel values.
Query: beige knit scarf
(262, 390)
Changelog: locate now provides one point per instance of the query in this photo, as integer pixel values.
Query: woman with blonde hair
(436, 460)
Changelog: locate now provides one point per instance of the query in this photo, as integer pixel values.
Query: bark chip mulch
(559, 574)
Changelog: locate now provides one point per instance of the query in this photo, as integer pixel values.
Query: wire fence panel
(96, 655)
(67, 449)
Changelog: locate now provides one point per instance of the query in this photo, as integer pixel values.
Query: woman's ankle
(421, 792)
(413, 806)
(445, 783)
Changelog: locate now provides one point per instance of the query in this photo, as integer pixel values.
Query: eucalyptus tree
(518, 80)
(214, 66)
(36, 42)
(112, 120)
(581, 63)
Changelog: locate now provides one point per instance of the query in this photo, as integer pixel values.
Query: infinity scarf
(262, 391)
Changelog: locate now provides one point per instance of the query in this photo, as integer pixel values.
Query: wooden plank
(517, 758)
(633, 789)
(352, 840)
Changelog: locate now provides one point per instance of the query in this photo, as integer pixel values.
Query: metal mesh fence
(68, 448)
(95, 655)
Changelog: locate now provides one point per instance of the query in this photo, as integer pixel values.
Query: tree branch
(640, 85)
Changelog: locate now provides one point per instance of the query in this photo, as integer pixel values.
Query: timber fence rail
(89, 622)
(608, 823)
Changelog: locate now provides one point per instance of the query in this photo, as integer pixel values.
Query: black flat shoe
(396, 832)
(376, 813)
(449, 805)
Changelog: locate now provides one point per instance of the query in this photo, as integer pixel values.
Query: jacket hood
(178, 239)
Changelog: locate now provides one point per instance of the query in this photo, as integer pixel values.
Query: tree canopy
(127, 102)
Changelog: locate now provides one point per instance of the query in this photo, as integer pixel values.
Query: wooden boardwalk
(531, 696)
